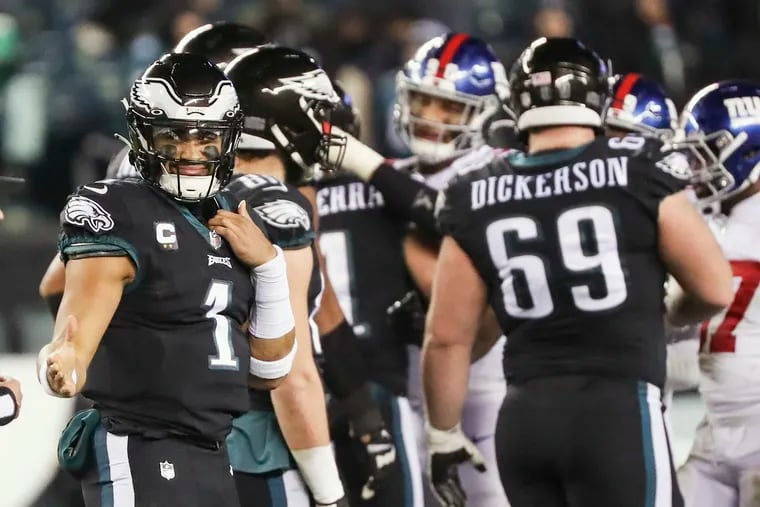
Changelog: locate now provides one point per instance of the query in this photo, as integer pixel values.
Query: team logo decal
(675, 164)
(284, 214)
(313, 85)
(85, 212)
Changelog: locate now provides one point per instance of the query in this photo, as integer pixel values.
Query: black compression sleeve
(344, 369)
(4, 417)
(413, 200)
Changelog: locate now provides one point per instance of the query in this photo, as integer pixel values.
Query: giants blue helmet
(721, 129)
(640, 105)
(457, 68)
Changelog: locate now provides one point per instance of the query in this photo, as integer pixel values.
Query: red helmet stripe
(624, 89)
(449, 50)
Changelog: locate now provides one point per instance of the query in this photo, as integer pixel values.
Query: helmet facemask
(436, 141)
(706, 154)
(191, 160)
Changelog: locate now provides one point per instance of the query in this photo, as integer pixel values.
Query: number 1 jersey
(566, 242)
(175, 356)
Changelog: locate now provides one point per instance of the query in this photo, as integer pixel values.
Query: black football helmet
(345, 115)
(558, 81)
(184, 105)
(288, 99)
(221, 42)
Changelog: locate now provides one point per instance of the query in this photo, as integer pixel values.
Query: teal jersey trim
(92, 246)
(525, 160)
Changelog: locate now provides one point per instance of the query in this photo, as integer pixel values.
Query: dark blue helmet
(640, 105)
(721, 129)
(457, 68)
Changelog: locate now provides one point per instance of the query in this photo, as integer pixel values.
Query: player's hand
(446, 450)
(244, 236)
(381, 455)
(15, 387)
(62, 362)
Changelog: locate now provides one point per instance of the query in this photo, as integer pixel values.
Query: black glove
(367, 428)
(446, 450)
(381, 456)
(407, 317)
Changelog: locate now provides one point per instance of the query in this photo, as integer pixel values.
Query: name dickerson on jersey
(578, 177)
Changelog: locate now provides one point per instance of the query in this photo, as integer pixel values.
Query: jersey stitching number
(718, 333)
(218, 298)
(534, 284)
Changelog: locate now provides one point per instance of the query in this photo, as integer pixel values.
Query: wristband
(271, 316)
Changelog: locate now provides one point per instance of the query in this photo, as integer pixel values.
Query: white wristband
(7, 406)
(358, 158)
(274, 369)
(271, 315)
(319, 471)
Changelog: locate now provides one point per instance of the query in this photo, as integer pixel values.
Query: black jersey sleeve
(97, 220)
(407, 197)
(286, 214)
(452, 205)
(655, 174)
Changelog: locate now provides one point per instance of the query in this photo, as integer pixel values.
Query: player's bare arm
(271, 330)
(93, 291)
(695, 260)
(421, 255)
(450, 331)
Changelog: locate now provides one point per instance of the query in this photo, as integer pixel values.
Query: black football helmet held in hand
(184, 122)
(558, 81)
(288, 99)
(221, 42)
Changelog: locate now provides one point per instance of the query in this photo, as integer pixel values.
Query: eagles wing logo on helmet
(675, 164)
(85, 212)
(313, 85)
(284, 214)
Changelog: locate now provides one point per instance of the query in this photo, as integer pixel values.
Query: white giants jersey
(730, 341)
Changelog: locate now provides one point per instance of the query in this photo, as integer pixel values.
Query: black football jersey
(362, 246)
(175, 356)
(289, 221)
(566, 242)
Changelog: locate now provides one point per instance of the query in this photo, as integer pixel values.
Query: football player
(278, 148)
(569, 243)
(174, 302)
(722, 127)
(448, 93)
(361, 245)
(639, 105)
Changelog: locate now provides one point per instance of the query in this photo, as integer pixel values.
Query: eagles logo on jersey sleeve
(285, 212)
(655, 171)
(96, 222)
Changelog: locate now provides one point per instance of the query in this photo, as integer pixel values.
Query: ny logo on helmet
(743, 110)
(313, 84)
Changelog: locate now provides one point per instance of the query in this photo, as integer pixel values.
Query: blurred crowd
(65, 64)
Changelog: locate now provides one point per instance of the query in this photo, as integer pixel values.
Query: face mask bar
(712, 181)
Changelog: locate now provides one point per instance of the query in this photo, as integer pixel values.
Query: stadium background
(65, 64)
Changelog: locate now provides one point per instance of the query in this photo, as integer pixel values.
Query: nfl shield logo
(215, 240)
(167, 470)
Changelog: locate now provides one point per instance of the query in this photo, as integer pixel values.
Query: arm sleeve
(8, 408)
(413, 200)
